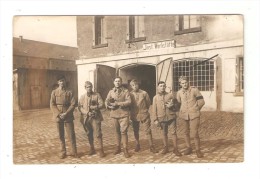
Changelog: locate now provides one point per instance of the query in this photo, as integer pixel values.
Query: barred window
(200, 73)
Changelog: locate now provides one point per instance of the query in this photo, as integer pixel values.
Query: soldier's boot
(92, 148)
(125, 144)
(72, 139)
(74, 152)
(165, 143)
(118, 147)
(62, 155)
(126, 154)
(63, 150)
(136, 135)
(137, 147)
(197, 145)
(117, 150)
(188, 151)
(101, 149)
(152, 148)
(175, 146)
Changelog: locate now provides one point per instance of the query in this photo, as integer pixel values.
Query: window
(187, 24)
(99, 29)
(135, 29)
(240, 75)
(199, 72)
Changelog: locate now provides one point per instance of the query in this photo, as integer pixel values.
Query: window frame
(134, 22)
(204, 74)
(238, 90)
(101, 32)
(186, 31)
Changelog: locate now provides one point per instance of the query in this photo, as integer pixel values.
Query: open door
(164, 73)
(105, 76)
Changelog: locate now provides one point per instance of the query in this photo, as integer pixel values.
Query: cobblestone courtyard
(35, 141)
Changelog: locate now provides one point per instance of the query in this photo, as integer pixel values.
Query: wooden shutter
(229, 75)
(105, 76)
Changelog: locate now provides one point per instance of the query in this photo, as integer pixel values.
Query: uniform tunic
(91, 124)
(140, 111)
(122, 97)
(85, 103)
(191, 102)
(140, 105)
(62, 100)
(160, 111)
(120, 115)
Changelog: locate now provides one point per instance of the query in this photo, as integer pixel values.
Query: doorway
(145, 74)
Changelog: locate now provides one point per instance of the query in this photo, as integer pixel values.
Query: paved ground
(35, 141)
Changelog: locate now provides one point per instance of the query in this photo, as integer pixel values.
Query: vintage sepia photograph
(128, 89)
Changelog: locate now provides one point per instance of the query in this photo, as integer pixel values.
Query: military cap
(59, 77)
(183, 78)
(88, 83)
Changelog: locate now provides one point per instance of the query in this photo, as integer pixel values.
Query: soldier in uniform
(89, 106)
(139, 114)
(62, 104)
(165, 107)
(191, 102)
(118, 101)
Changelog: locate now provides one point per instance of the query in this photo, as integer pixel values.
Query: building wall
(35, 87)
(221, 35)
(215, 28)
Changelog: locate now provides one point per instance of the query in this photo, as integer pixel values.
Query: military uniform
(166, 118)
(91, 118)
(120, 114)
(191, 102)
(62, 101)
(139, 114)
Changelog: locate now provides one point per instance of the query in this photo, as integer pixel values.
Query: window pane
(241, 74)
(177, 25)
(131, 27)
(186, 23)
(202, 79)
(194, 21)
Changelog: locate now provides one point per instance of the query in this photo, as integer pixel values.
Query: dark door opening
(145, 74)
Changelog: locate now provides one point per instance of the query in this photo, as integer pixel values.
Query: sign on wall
(159, 45)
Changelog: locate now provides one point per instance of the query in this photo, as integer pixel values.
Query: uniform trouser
(191, 129)
(166, 126)
(121, 126)
(147, 129)
(70, 133)
(93, 126)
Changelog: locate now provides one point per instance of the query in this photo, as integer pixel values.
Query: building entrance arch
(144, 73)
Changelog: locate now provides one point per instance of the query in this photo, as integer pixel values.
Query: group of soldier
(126, 107)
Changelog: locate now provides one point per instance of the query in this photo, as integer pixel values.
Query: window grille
(200, 74)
